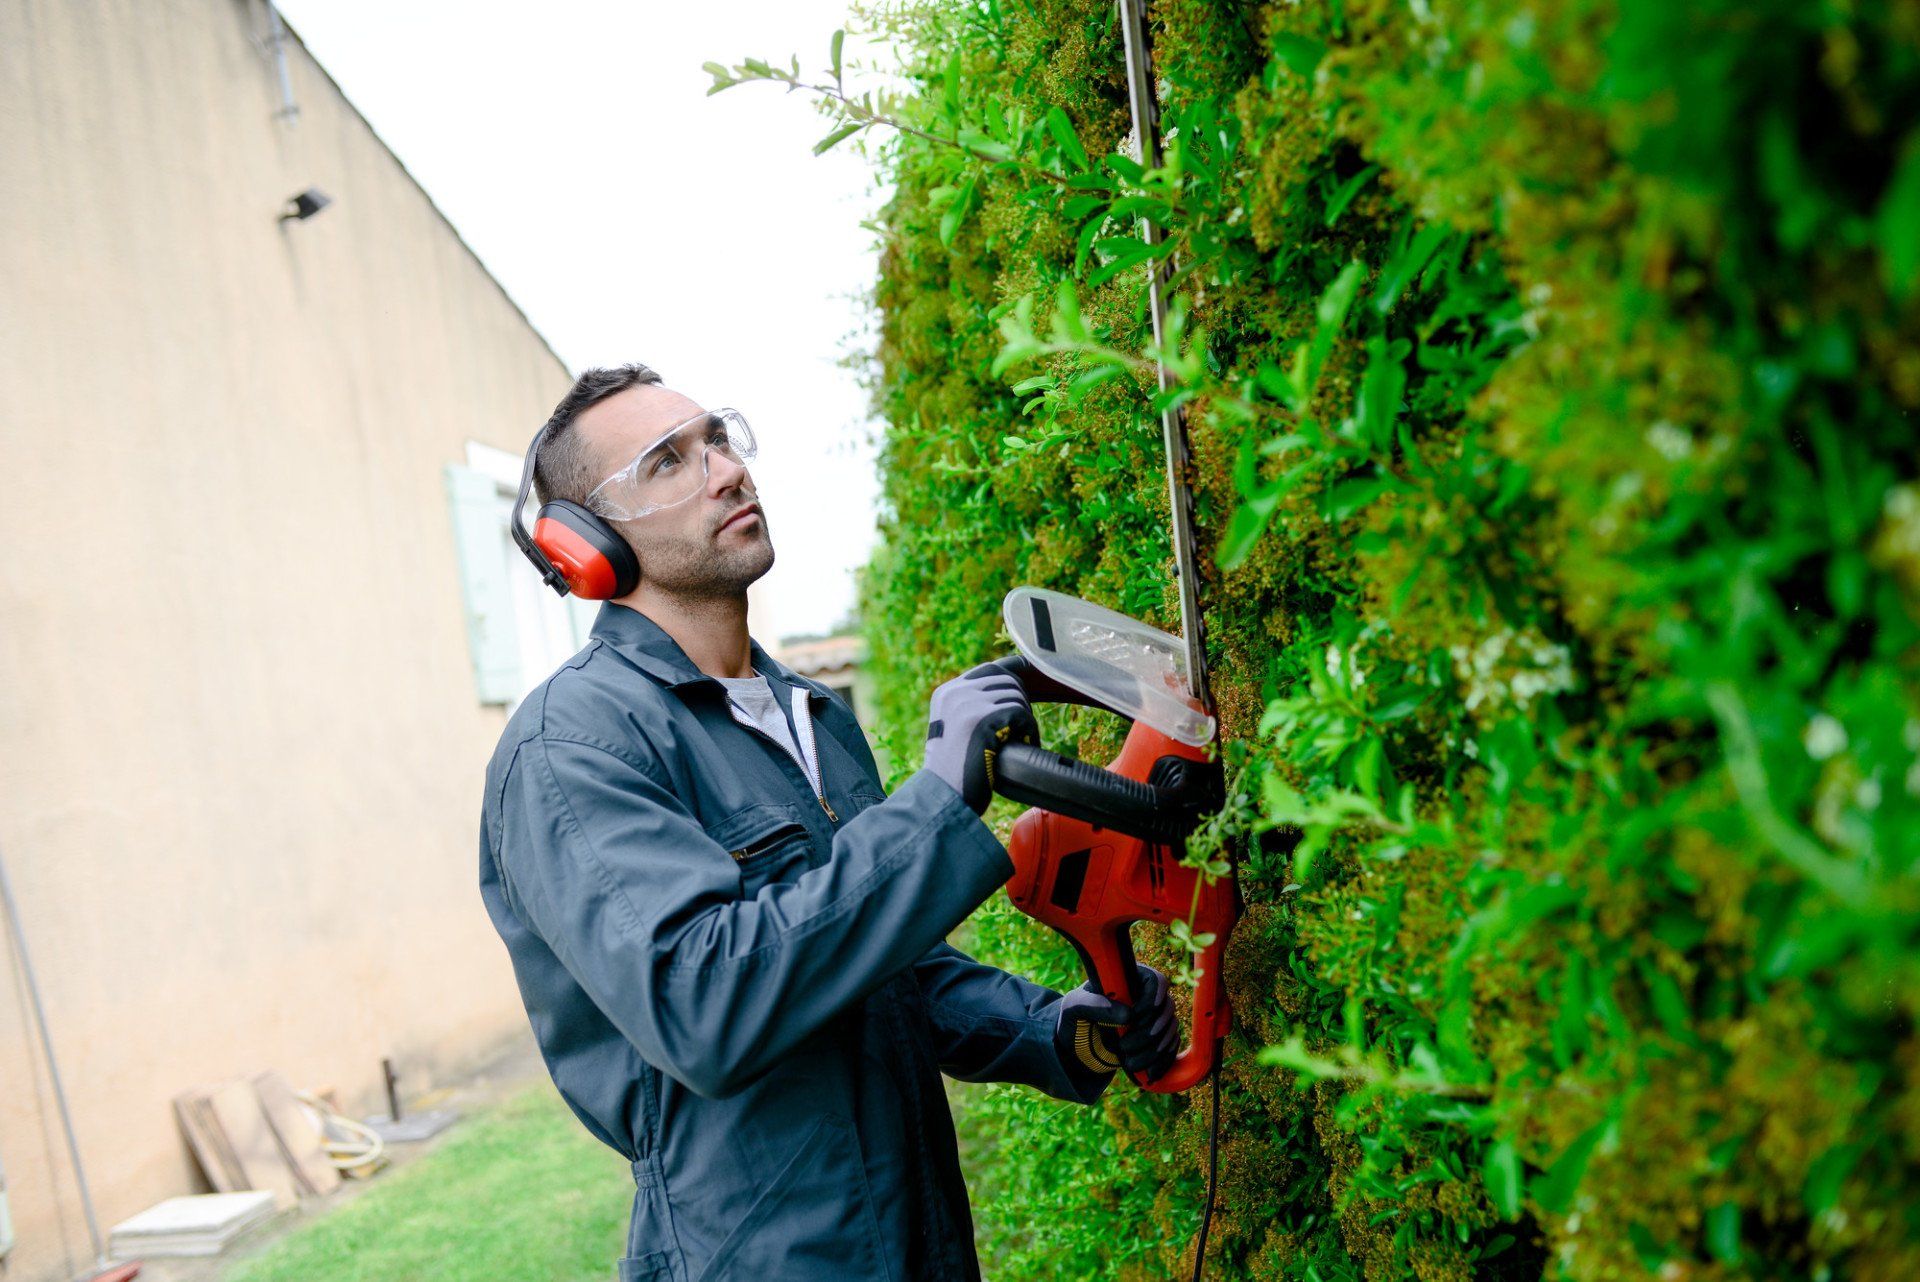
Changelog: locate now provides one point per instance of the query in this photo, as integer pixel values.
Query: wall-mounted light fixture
(306, 204)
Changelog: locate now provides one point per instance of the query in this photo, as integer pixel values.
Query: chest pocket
(767, 842)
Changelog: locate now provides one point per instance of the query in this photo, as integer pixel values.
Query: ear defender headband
(574, 550)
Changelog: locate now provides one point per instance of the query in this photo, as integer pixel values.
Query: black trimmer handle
(1037, 776)
(1040, 777)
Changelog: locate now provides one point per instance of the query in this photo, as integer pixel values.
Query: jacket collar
(654, 652)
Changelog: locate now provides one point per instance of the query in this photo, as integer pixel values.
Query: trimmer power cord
(1213, 1166)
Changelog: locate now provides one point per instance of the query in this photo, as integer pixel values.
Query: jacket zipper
(765, 843)
(819, 794)
(803, 730)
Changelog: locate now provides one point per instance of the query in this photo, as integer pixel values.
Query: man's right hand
(968, 720)
(1087, 1026)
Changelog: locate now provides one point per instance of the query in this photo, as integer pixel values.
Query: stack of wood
(254, 1133)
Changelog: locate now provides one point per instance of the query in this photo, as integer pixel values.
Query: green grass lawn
(520, 1193)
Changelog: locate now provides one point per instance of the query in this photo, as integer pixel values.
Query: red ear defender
(594, 560)
(574, 550)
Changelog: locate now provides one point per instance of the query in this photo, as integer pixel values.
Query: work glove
(1088, 1033)
(969, 719)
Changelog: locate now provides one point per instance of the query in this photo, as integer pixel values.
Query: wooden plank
(208, 1144)
(300, 1138)
(236, 1109)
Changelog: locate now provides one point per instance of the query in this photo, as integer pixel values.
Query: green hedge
(1552, 368)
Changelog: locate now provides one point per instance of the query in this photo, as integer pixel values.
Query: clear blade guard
(1126, 666)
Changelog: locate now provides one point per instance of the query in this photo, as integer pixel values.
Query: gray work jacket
(741, 983)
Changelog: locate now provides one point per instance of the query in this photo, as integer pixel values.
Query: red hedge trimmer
(1101, 848)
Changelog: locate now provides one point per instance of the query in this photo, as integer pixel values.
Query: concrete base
(414, 1127)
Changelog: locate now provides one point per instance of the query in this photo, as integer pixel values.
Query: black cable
(1213, 1163)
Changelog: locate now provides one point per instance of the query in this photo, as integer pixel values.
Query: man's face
(704, 546)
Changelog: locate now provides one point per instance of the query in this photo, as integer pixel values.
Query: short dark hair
(561, 466)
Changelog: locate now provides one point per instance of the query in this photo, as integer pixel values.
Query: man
(728, 939)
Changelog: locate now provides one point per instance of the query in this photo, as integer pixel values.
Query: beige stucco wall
(240, 751)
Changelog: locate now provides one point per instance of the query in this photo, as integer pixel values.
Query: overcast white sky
(634, 218)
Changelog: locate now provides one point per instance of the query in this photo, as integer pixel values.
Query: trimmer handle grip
(1108, 955)
(1036, 776)
(1164, 810)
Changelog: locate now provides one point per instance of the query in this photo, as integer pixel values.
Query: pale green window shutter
(492, 640)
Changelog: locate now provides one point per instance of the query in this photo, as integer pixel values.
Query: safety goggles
(673, 468)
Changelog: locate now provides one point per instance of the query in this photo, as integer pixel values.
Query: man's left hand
(1088, 1029)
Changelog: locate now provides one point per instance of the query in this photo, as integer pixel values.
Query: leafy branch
(1371, 1069)
(858, 112)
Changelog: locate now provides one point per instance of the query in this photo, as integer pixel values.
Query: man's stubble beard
(708, 570)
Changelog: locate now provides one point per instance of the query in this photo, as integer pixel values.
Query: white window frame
(548, 628)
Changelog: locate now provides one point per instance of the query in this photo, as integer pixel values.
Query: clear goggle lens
(674, 468)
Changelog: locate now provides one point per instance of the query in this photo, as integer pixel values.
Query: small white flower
(1670, 440)
(1867, 794)
(1543, 668)
(1824, 737)
(1334, 658)
(1900, 523)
